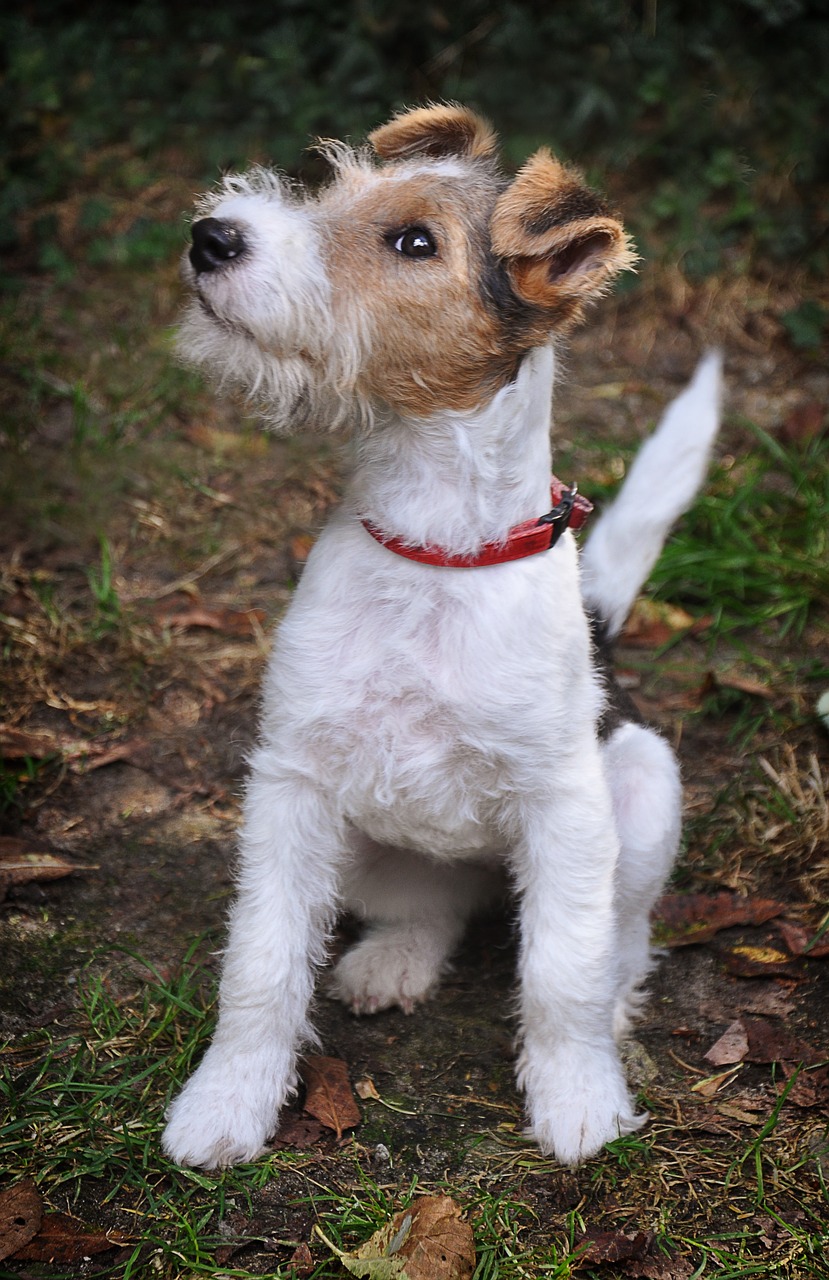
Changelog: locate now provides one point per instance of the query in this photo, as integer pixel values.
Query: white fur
(665, 477)
(423, 727)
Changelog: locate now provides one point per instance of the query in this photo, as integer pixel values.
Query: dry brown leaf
(801, 943)
(302, 1262)
(733, 1111)
(328, 1094)
(22, 862)
(366, 1089)
(770, 1042)
(297, 1131)
(685, 918)
(21, 1211)
(741, 684)
(428, 1241)
(611, 1246)
(710, 1086)
(731, 1047)
(652, 623)
(65, 1239)
(810, 1089)
(235, 622)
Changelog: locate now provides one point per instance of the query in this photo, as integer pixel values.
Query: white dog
(432, 710)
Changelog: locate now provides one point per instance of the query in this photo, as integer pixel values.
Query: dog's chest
(425, 699)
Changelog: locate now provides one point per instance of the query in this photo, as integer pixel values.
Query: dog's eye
(414, 242)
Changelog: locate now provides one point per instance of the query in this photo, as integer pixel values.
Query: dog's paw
(578, 1102)
(392, 966)
(223, 1116)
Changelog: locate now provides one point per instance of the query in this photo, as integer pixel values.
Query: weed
(753, 551)
(104, 592)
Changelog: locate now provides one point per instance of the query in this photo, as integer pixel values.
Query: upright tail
(662, 483)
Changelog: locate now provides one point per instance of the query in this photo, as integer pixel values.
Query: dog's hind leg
(292, 849)
(415, 911)
(643, 776)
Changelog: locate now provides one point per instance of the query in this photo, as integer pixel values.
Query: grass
(83, 1106)
(754, 552)
(752, 555)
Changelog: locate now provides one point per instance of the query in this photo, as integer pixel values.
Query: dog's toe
(389, 967)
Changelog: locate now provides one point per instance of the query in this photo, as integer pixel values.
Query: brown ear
(560, 244)
(434, 131)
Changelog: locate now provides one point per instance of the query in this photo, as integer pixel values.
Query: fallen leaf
(733, 1111)
(236, 622)
(65, 1239)
(302, 1262)
(741, 684)
(810, 1089)
(756, 962)
(428, 1241)
(328, 1094)
(711, 1085)
(366, 1089)
(22, 862)
(731, 1047)
(682, 919)
(769, 1042)
(652, 623)
(297, 1131)
(611, 1246)
(801, 943)
(21, 1210)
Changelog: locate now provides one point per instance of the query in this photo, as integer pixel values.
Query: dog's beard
(289, 391)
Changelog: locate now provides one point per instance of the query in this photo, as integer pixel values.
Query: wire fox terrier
(434, 708)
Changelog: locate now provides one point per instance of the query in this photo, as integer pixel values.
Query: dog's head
(415, 281)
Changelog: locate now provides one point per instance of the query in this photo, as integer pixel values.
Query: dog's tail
(662, 483)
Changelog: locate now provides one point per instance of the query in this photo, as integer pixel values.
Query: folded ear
(558, 240)
(434, 131)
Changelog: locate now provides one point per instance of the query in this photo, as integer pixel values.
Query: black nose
(215, 243)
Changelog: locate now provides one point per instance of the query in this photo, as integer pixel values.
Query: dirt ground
(130, 708)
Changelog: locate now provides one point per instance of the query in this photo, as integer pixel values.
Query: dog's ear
(559, 242)
(444, 130)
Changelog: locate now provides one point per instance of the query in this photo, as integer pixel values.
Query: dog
(437, 709)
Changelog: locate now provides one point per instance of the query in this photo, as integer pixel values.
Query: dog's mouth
(237, 329)
(229, 326)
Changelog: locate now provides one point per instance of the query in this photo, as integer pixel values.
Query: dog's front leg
(291, 847)
(565, 859)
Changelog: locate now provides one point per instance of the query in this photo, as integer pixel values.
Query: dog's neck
(458, 480)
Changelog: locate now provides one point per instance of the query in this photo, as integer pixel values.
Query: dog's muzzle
(215, 243)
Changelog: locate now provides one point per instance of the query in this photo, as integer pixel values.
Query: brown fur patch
(445, 130)
(435, 343)
(560, 244)
(447, 331)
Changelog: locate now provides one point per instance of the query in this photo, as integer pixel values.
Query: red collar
(570, 511)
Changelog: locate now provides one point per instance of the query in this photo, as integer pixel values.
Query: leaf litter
(430, 1240)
